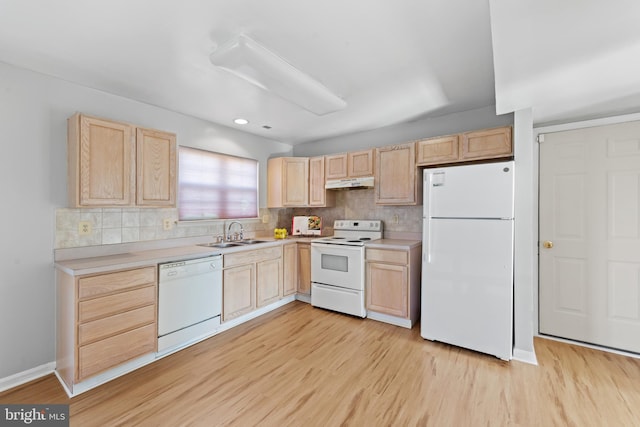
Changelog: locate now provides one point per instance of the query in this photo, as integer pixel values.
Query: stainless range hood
(345, 184)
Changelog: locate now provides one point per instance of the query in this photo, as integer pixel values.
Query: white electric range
(337, 266)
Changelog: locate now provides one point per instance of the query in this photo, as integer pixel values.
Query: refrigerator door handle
(427, 215)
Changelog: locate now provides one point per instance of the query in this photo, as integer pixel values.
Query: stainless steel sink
(251, 241)
(220, 245)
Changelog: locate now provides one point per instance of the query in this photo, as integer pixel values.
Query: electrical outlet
(84, 228)
(396, 219)
(265, 219)
(167, 224)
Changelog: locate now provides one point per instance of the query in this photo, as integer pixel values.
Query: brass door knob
(547, 244)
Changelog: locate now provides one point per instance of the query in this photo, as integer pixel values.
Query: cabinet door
(156, 168)
(386, 289)
(295, 182)
(290, 269)
(336, 166)
(101, 163)
(396, 174)
(238, 291)
(317, 192)
(439, 150)
(360, 163)
(268, 281)
(304, 268)
(487, 144)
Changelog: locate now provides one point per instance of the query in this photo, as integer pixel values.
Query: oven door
(338, 265)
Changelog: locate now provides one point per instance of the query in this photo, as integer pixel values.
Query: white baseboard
(525, 356)
(304, 298)
(393, 320)
(26, 376)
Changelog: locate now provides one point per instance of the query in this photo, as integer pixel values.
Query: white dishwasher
(189, 301)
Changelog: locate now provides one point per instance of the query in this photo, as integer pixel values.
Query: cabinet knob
(547, 244)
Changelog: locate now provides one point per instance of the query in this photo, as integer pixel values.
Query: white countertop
(402, 244)
(133, 259)
(140, 258)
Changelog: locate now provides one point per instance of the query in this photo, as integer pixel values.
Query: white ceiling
(391, 61)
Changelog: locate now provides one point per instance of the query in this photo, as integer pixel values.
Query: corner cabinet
(103, 321)
(287, 182)
(116, 164)
(289, 268)
(396, 179)
(485, 144)
(304, 268)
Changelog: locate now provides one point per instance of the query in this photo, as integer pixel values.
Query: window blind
(216, 186)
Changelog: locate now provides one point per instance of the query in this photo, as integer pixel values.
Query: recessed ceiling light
(240, 121)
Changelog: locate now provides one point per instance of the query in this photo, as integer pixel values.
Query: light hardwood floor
(301, 366)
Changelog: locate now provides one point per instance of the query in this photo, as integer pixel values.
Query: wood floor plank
(301, 366)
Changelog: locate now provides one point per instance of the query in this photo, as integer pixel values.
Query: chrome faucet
(236, 235)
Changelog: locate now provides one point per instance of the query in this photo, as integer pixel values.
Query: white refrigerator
(467, 271)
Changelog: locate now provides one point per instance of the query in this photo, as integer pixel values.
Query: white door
(590, 235)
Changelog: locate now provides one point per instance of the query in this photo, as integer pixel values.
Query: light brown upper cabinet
(103, 156)
(433, 151)
(495, 143)
(487, 144)
(156, 168)
(397, 180)
(350, 165)
(318, 195)
(287, 182)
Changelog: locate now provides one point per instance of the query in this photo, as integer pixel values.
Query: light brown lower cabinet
(104, 320)
(289, 268)
(268, 281)
(304, 268)
(238, 291)
(393, 284)
(251, 279)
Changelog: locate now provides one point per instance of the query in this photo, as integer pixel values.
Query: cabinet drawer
(108, 326)
(390, 256)
(112, 282)
(249, 257)
(106, 306)
(101, 355)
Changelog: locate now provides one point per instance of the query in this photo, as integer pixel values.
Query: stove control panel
(358, 224)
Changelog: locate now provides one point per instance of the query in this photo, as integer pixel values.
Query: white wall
(33, 113)
(526, 236)
(444, 125)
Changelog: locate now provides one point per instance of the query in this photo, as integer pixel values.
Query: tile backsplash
(360, 204)
(129, 225)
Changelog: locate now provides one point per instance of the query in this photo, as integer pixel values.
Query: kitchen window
(216, 186)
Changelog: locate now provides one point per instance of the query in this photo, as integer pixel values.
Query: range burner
(354, 232)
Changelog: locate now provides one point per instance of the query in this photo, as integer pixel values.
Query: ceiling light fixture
(248, 59)
(240, 121)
